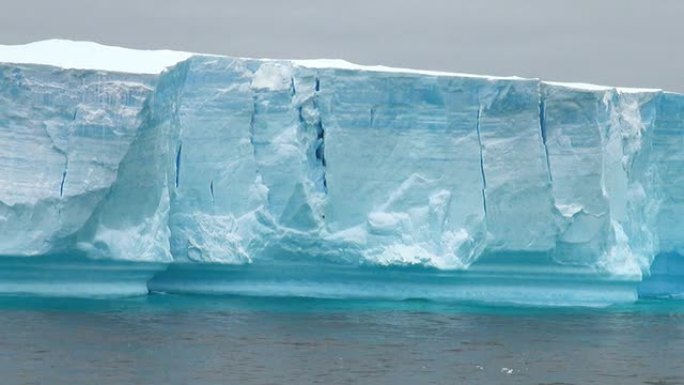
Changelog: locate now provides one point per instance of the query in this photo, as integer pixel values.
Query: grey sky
(615, 42)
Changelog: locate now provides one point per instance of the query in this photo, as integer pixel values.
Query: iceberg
(186, 172)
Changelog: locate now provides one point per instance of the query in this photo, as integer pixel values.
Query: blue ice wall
(276, 163)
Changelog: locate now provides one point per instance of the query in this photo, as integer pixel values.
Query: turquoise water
(175, 339)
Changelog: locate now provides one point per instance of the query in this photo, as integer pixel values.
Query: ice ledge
(93, 56)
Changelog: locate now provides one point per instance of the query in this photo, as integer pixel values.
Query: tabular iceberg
(327, 178)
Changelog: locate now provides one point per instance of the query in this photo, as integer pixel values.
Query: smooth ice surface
(515, 182)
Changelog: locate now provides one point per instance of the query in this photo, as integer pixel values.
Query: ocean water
(175, 339)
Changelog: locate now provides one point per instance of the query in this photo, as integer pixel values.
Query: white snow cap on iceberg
(91, 56)
(94, 56)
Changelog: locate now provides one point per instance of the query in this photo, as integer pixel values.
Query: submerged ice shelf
(324, 178)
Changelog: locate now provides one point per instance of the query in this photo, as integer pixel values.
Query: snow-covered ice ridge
(163, 156)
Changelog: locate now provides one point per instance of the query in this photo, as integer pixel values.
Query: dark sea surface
(168, 339)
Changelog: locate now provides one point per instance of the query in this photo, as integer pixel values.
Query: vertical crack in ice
(372, 116)
(176, 127)
(64, 176)
(211, 189)
(320, 135)
(320, 150)
(542, 128)
(252, 132)
(482, 171)
(179, 152)
(318, 146)
(63, 152)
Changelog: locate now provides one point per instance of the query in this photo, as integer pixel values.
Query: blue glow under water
(178, 339)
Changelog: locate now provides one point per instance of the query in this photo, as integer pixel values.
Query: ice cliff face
(64, 134)
(231, 160)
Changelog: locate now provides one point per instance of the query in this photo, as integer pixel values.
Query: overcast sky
(615, 42)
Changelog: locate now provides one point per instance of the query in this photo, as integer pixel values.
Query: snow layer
(91, 56)
(234, 161)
